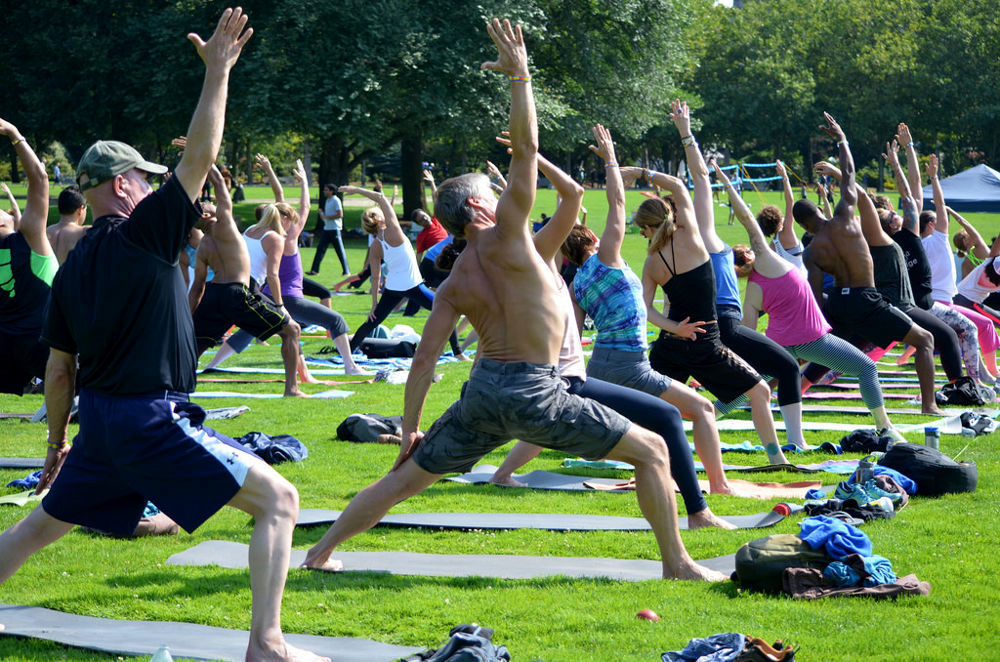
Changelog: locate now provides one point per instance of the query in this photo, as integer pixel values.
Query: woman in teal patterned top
(607, 290)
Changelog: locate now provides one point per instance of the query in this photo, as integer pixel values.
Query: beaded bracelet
(688, 141)
(57, 447)
(842, 142)
(519, 79)
(650, 175)
(610, 164)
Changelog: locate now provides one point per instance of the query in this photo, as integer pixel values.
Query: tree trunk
(334, 161)
(411, 171)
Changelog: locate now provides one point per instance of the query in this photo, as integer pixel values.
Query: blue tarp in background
(974, 190)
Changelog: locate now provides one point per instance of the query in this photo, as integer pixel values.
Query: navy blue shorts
(131, 449)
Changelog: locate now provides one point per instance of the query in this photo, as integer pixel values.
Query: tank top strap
(673, 256)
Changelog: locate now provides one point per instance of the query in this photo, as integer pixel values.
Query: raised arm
(197, 290)
(673, 185)
(35, 215)
(609, 250)
(786, 236)
(768, 262)
(704, 209)
(871, 226)
(905, 139)
(204, 134)
(848, 192)
(911, 222)
(393, 230)
(548, 240)
(429, 178)
(299, 174)
(15, 209)
(979, 248)
(514, 207)
(825, 201)
(264, 163)
(940, 209)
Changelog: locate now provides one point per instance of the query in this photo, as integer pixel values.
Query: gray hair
(451, 205)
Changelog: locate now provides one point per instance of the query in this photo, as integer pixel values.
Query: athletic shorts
(629, 369)
(706, 359)
(862, 311)
(526, 401)
(225, 304)
(134, 449)
(21, 358)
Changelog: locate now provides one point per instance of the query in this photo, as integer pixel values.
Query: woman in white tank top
(403, 279)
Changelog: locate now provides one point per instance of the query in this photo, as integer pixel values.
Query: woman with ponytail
(689, 344)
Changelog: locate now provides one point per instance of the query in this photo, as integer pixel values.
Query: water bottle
(162, 655)
(866, 471)
(932, 437)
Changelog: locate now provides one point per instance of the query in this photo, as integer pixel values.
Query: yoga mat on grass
(228, 554)
(738, 425)
(841, 467)
(185, 640)
(854, 386)
(547, 480)
(322, 395)
(16, 417)
(948, 425)
(827, 395)
(846, 409)
(22, 462)
(542, 521)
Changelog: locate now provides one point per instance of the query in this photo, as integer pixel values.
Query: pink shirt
(794, 316)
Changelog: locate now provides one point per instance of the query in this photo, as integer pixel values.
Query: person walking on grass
(512, 299)
(119, 305)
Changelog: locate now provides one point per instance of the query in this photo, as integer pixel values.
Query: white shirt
(792, 256)
(402, 272)
(942, 267)
(970, 288)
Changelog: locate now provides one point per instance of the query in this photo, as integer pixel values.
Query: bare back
(225, 252)
(510, 296)
(839, 249)
(63, 237)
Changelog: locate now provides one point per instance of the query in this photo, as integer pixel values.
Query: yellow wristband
(519, 79)
(14, 142)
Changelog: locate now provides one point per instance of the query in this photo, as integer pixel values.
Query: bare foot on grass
(732, 491)
(932, 410)
(322, 562)
(295, 393)
(706, 518)
(697, 573)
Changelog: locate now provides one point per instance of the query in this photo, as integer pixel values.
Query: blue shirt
(613, 299)
(727, 291)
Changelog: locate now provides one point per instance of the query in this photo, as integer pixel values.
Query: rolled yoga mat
(187, 640)
(228, 554)
(542, 521)
(22, 462)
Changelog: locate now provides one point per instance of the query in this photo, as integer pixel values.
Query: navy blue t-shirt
(119, 300)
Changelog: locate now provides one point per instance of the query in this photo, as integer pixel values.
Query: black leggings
(945, 340)
(327, 237)
(388, 302)
(311, 288)
(765, 356)
(657, 416)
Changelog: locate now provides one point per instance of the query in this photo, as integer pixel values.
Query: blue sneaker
(853, 492)
(877, 492)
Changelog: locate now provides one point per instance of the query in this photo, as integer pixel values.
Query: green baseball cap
(106, 159)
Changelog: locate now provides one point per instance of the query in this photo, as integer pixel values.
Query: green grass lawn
(947, 541)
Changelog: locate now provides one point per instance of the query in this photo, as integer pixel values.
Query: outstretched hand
(299, 172)
(428, 176)
(932, 166)
(903, 134)
(832, 128)
(681, 116)
(348, 190)
(504, 139)
(180, 141)
(605, 147)
(513, 55)
(493, 171)
(890, 153)
(261, 161)
(827, 168)
(8, 129)
(780, 167)
(630, 174)
(223, 48)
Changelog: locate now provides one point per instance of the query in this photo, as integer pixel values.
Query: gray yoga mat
(22, 462)
(543, 521)
(188, 640)
(738, 425)
(332, 394)
(228, 554)
(539, 479)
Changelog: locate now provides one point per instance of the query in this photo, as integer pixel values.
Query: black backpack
(962, 392)
(368, 427)
(387, 348)
(934, 472)
(760, 562)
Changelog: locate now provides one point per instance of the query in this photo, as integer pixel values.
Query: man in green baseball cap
(107, 159)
